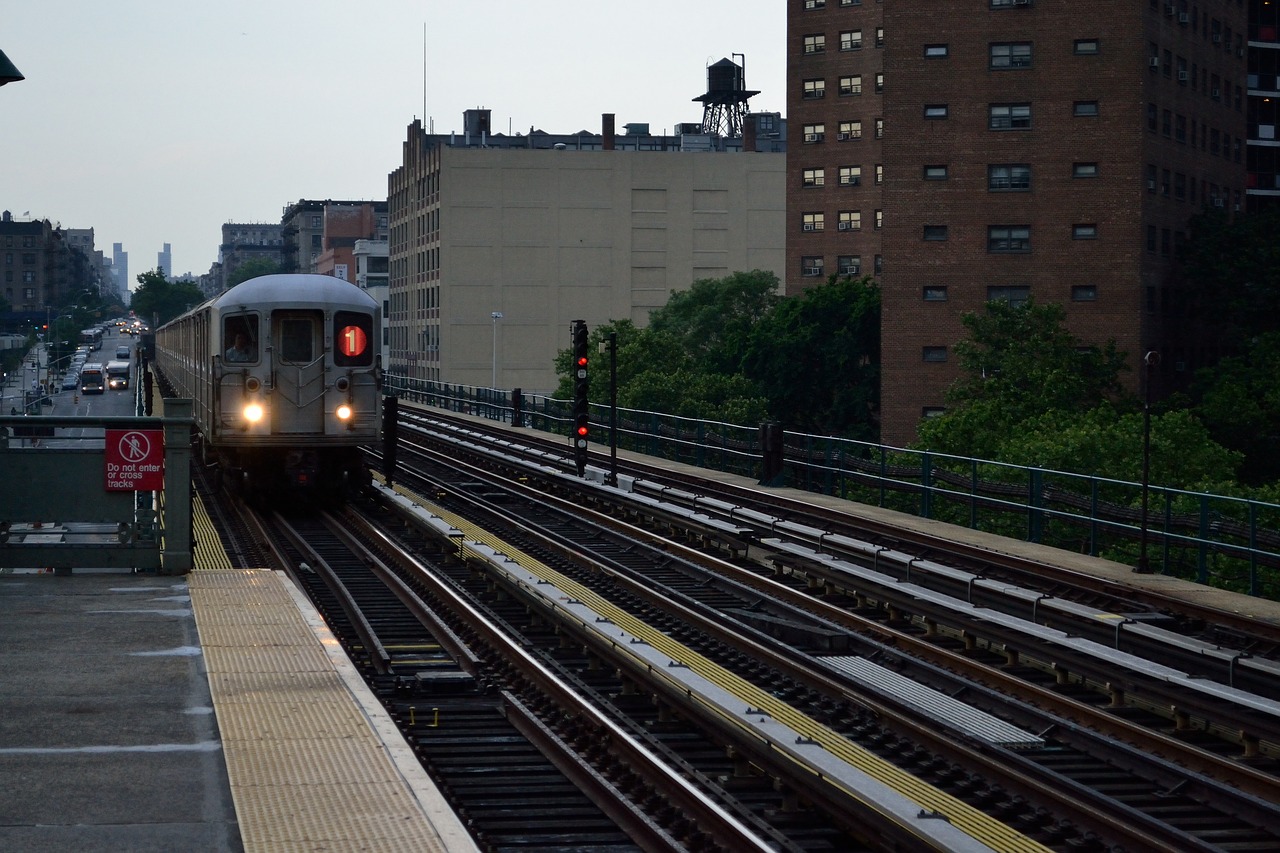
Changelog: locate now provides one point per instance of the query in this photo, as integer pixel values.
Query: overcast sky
(156, 121)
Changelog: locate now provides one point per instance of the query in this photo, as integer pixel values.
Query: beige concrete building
(544, 232)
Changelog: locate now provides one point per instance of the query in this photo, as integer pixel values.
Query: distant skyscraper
(164, 261)
(120, 263)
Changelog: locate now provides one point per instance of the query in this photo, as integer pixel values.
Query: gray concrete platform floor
(108, 740)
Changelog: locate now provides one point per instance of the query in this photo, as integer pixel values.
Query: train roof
(299, 290)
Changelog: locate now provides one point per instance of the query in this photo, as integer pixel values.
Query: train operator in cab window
(242, 347)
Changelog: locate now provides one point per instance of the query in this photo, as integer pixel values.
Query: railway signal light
(581, 392)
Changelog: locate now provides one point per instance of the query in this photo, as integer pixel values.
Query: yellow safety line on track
(988, 830)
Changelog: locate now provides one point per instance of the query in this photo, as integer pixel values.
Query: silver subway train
(284, 375)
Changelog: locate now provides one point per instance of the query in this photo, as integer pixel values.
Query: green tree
(1031, 395)
(816, 357)
(159, 300)
(252, 268)
(1239, 401)
(1233, 268)
(1018, 362)
(712, 320)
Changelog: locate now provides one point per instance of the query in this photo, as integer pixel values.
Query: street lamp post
(1150, 360)
(496, 315)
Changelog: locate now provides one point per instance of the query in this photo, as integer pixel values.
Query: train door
(298, 368)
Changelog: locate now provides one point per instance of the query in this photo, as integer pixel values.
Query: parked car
(123, 352)
(71, 381)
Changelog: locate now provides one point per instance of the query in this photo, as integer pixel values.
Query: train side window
(240, 338)
(352, 339)
(296, 340)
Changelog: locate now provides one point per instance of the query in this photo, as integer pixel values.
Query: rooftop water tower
(724, 105)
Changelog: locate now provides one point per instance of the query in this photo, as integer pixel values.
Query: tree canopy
(159, 300)
(733, 350)
(1032, 395)
(252, 268)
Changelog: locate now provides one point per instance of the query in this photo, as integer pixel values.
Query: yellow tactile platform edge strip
(988, 830)
(312, 765)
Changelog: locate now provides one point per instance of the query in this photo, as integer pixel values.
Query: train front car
(293, 384)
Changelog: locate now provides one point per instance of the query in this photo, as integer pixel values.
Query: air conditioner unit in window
(1183, 76)
(808, 226)
(1240, 52)
(1154, 62)
(1184, 18)
(1151, 185)
(812, 271)
(1217, 38)
(1218, 202)
(841, 137)
(844, 226)
(1022, 2)
(1216, 94)
(811, 137)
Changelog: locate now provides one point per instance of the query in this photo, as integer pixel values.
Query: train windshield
(240, 338)
(297, 340)
(352, 339)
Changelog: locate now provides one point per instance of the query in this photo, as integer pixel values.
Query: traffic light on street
(581, 392)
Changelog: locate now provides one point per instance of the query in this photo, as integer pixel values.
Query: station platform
(210, 712)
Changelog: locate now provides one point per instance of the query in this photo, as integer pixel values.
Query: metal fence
(1218, 540)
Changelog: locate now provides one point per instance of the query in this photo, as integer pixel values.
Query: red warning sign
(135, 460)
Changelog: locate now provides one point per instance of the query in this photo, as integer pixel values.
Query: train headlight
(253, 412)
(344, 412)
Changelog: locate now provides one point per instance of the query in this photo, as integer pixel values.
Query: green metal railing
(1218, 540)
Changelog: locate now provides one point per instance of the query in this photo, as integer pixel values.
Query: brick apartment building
(1015, 149)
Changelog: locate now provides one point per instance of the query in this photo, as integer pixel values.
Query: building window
(935, 293)
(935, 111)
(815, 4)
(816, 43)
(814, 221)
(1085, 108)
(814, 133)
(1084, 231)
(879, 219)
(935, 232)
(813, 177)
(1014, 294)
(927, 412)
(814, 89)
(936, 51)
(1010, 117)
(933, 354)
(935, 173)
(849, 220)
(1005, 55)
(879, 174)
(1008, 239)
(1084, 170)
(849, 130)
(879, 36)
(1008, 177)
(851, 84)
(878, 264)
(1086, 47)
(849, 265)
(811, 265)
(851, 40)
(879, 128)
(850, 176)
(879, 84)
(1084, 292)
(1008, 4)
